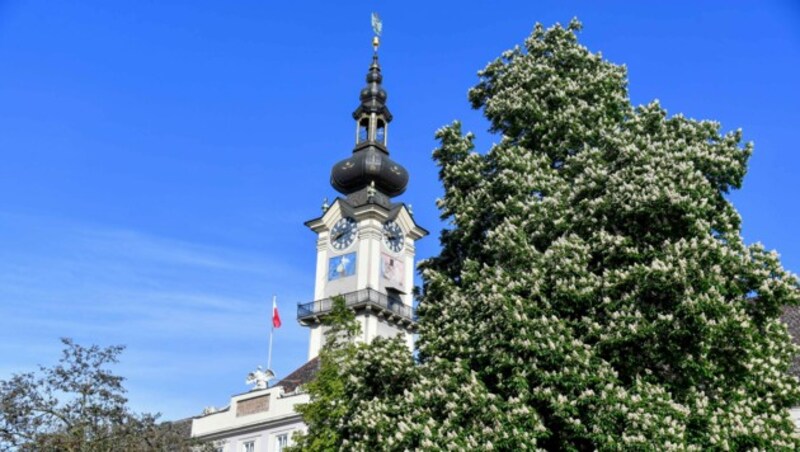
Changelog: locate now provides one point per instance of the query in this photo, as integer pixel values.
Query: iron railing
(358, 299)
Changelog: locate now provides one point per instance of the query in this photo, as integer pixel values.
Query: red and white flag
(276, 318)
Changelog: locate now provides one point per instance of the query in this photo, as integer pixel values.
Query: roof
(791, 317)
(300, 376)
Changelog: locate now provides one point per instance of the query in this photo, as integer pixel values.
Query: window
(281, 441)
(395, 303)
(380, 132)
(249, 446)
(363, 130)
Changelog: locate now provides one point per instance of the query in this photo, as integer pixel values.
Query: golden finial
(377, 28)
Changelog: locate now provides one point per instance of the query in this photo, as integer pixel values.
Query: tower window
(380, 132)
(395, 303)
(363, 130)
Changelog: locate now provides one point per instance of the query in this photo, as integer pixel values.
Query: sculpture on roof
(259, 378)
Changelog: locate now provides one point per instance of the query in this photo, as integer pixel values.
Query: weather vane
(377, 28)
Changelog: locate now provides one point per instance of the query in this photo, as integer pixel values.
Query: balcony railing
(360, 299)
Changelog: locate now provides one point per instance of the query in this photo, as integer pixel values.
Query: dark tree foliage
(80, 405)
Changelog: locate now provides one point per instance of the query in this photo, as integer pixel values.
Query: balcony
(390, 308)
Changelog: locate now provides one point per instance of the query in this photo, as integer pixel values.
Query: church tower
(365, 242)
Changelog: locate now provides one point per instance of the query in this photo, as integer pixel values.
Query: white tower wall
(378, 270)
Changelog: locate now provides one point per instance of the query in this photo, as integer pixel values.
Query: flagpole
(271, 330)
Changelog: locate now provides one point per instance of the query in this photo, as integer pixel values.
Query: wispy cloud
(185, 310)
(136, 245)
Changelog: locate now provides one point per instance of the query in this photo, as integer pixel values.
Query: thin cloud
(184, 310)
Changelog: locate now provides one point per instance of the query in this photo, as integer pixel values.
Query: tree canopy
(593, 290)
(79, 405)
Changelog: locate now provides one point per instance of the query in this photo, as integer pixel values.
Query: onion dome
(370, 165)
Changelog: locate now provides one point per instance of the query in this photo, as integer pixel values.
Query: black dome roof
(367, 165)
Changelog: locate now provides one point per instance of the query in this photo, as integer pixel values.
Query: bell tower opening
(380, 132)
(363, 130)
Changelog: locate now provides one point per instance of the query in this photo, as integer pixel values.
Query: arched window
(380, 132)
(363, 130)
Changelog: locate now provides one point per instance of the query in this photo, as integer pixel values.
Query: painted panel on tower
(341, 266)
(393, 270)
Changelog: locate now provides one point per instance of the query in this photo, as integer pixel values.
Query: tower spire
(370, 165)
(365, 242)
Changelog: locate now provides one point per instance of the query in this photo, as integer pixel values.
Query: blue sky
(159, 158)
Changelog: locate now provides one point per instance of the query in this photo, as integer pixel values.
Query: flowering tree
(593, 290)
(327, 412)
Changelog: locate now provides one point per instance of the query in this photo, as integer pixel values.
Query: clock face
(393, 236)
(343, 233)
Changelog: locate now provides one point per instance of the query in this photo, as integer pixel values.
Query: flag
(276, 318)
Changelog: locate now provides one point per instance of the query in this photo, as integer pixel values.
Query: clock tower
(365, 241)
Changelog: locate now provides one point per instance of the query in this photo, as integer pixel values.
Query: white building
(259, 420)
(365, 252)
